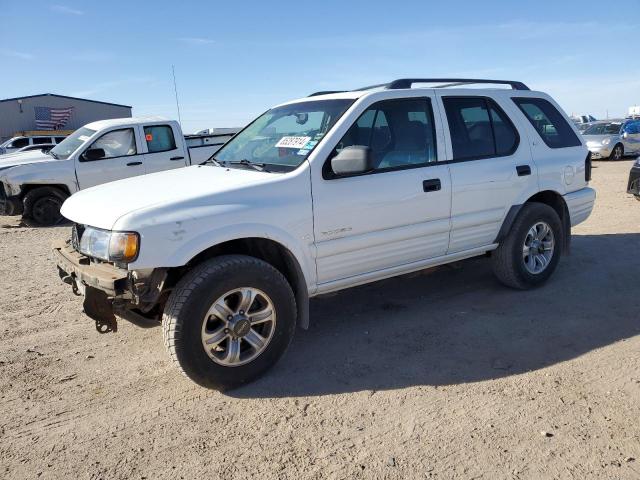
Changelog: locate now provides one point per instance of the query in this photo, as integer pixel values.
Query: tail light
(587, 168)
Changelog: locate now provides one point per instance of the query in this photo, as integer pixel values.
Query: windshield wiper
(213, 160)
(53, 155)
(261, 167)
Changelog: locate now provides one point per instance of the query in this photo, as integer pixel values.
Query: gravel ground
(442, 374)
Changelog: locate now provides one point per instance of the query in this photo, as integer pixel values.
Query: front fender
(38, 174)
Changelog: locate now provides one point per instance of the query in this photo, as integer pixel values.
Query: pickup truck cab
(321, 194)
(35, 184)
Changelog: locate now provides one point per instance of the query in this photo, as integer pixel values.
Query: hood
(597, 139)
(24, 158)
(103, 205)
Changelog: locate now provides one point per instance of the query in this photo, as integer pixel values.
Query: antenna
(175, 89)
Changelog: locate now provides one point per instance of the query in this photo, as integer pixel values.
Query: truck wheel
(617, 153)
(42, 206)
(530, 253)
(229, 320)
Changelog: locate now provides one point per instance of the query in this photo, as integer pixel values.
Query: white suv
(322, 194)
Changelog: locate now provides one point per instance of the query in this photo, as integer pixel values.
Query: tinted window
(19, 143)
(40, 140)
(59, 139)
(159, 138)
(479, 128)
(400, 134)
(117, 143)
(548, 122)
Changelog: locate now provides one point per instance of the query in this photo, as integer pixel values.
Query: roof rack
(445, 83)
(452, 82)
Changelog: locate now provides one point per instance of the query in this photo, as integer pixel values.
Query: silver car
(613, 139)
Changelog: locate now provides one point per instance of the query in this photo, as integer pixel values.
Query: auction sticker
(292, 142)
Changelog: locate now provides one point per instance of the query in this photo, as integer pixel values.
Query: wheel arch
(270, 251)
(547, 197)
(28, 187)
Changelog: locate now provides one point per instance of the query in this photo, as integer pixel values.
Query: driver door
(393, 217)
(121, 158)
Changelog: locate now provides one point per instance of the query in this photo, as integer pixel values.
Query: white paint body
(37, 168)
(343, 231)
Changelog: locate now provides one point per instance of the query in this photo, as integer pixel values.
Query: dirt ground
(442, 374)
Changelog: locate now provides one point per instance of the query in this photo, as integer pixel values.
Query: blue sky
(233, 60)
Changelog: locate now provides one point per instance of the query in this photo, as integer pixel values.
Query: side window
(41, 140)
(59, 139)
(19, 143)
(479, 128)
(400, 134)
(548, 122)
(504, 132)
(117, 143)
(159, 138)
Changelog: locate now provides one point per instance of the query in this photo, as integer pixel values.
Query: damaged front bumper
(107, 289)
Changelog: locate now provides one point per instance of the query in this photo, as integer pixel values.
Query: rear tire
(209, 335)
(42, 206)
(617, 153)
(523, 260)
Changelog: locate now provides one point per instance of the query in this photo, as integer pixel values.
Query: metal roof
(65, 96)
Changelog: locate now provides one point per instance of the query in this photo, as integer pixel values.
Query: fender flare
(512, 214)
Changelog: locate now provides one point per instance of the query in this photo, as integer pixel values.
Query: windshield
(283, 137)
(71, 143)
(603, 129)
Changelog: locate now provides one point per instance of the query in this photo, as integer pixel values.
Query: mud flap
(98, 306)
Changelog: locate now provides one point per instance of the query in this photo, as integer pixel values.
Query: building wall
(85, 111)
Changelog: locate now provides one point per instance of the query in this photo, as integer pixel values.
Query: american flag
(52, 118)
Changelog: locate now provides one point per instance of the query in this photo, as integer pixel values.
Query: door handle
(131, 164)
(176, 158)
(432, 185)
(523, 170)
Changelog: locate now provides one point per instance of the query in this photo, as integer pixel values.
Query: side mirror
(94, 154)
(352, 160)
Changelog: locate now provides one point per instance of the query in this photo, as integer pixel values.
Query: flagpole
(175, 89)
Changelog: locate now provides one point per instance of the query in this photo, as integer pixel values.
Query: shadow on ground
(454, 325)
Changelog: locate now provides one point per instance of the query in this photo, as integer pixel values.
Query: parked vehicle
(16, 143)
(35, 184)
(322, 194)
(43, 147)
(613, 140)
(633, 187)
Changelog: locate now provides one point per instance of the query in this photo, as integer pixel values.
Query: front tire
(530, 253)
(42, 206)
(229, 320)
(617, 153)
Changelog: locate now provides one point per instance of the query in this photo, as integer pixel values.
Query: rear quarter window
(554, 130)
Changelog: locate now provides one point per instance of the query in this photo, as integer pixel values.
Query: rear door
(163, 151)
(491, 168)
(121, 158)
(394, 215)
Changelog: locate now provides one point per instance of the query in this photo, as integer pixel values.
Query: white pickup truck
(322, 194)
(35, 184)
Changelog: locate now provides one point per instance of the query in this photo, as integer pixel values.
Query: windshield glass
(71, 143)
(603, 129)
(283, 137)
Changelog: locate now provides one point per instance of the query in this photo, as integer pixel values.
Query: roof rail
(452, 82)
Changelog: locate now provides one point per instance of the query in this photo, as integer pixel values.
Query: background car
(613, 139)
(16, 143)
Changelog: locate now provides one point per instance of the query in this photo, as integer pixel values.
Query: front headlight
(606, 141)
(110, 246)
